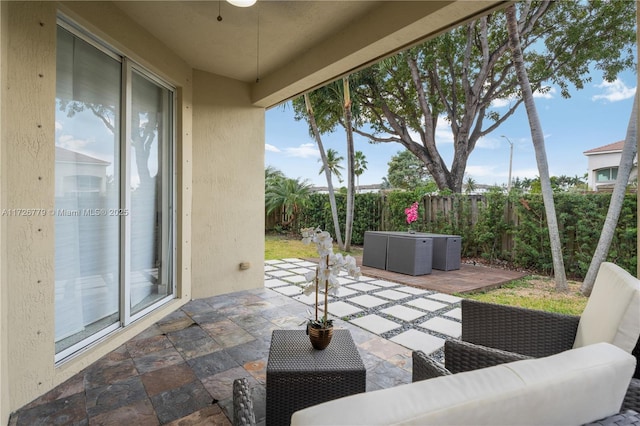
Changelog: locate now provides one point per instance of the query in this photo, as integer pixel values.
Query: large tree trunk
(350, 165)
(327, 172)
(538, 143)
(617, 199)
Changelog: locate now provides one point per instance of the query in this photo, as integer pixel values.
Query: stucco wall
(228, 187)
(4, 364)
(27, 178)
(27, 164)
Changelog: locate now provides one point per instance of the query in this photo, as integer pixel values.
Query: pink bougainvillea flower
(412, 212)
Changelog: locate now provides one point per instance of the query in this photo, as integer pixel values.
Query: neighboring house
(79, 173)
(362, 189)
(603, 166)
(177, 98)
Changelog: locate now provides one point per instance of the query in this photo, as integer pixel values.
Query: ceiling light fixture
(242, 3)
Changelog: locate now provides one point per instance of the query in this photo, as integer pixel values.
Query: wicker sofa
(495, 334)
(577, 386)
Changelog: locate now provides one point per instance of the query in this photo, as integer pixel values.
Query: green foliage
(495, 226)
(459, 74)
(396, 203)
(580, 220)
(406, 171)
(333, 162)
(367, 214)
(490, 227)
(288, 195)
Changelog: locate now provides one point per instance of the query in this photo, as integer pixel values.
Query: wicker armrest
(632, 398)
(243, 414)
(425, 367)
(463, 356)
(624, 418)
(524, 331)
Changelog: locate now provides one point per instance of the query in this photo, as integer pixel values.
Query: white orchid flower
(324, 274)
(333, 282)
(309, 289)
(329, 266)
(310, 276)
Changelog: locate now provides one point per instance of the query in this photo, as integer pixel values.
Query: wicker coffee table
(299, 376)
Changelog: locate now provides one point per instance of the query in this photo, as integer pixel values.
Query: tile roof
(616, 146)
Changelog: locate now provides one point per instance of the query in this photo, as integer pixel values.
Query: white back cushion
(573, 387)
(612, 313)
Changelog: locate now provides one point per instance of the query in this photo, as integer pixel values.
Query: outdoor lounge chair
(495, 334)
(243, 412)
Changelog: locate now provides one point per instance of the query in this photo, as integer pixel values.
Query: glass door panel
(87, 170)
(150, 165)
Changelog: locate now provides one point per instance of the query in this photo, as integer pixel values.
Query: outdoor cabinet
(410, 254)
(375, 250)
(446, 251)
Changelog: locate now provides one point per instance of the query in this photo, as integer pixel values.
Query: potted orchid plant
(326, 273)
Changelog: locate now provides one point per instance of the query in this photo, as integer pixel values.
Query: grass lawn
(532, 292)
(283, 247)
(535, 292)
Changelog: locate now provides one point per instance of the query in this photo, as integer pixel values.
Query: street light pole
(510, 163)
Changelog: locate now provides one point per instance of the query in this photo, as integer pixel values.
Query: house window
(607, 175)
(114, 221)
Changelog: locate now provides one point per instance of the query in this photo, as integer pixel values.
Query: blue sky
(594, 116)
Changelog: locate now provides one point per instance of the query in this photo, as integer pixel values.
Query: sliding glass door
(113, 191)
(150, 198)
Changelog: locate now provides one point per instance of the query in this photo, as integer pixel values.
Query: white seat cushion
(573, 387)
(612, 313)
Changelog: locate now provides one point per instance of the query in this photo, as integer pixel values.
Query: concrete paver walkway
(412, 317)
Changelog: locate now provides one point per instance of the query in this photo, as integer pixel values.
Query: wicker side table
(299, 376)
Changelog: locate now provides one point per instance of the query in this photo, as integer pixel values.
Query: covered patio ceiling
(292, 46)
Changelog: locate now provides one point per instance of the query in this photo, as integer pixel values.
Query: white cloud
(504, 102)
(489, 143)
(614, 91)
(306, 150)
(58, 125)
(271, 148)
(530, 173)
(443, 131)
(481, 171)
(71, 143)
(548, 94)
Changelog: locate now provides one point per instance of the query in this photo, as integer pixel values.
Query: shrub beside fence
(493, 226)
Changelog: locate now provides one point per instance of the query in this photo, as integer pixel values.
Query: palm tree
(537, 136)
(348, 126)
(359, 166)
(289, 195)
(333, 163)
(334, 107)
(471, 185)
(313, 126)
(271, 174)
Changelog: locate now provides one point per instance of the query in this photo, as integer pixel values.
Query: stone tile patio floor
(180, 371)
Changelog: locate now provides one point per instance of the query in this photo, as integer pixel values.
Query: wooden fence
(441, 211)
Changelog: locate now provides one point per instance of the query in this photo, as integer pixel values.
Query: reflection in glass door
(87, 176)
(113, 192)
(150, 199)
